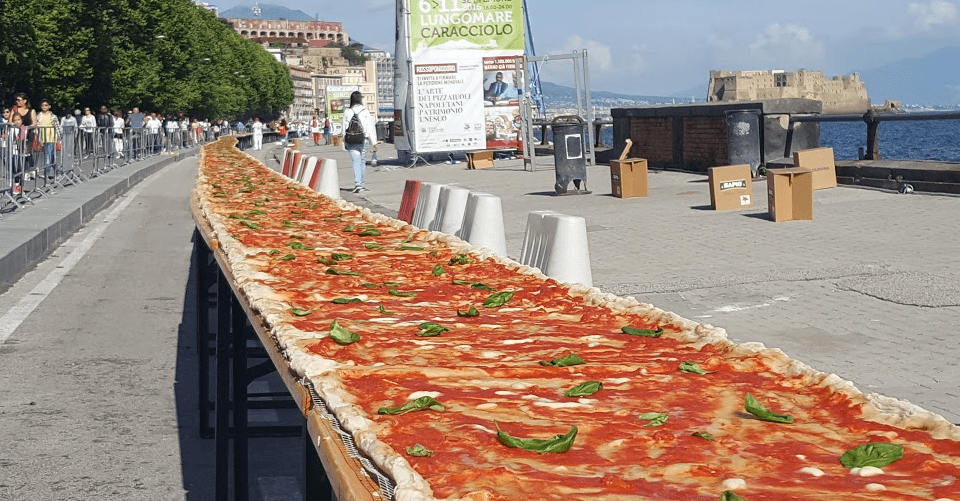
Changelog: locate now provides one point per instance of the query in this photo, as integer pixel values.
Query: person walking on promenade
(257, 128)
(28, 121)
(326, 129)
(315, 129)
(354, 140)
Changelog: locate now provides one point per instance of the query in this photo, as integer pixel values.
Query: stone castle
(843, 94)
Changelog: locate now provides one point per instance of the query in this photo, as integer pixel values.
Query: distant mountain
(267, 11)
(699, 93)
(931, 80)
(555, 93)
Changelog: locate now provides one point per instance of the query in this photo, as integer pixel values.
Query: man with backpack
(358, 128)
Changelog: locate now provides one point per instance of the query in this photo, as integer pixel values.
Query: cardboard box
(731, 187)
(628, 177)
(820, 161)
(790, 194)
(480, 159)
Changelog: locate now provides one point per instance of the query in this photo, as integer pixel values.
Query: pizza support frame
(464, 375)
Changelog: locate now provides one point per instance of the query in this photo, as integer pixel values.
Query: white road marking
(12, 319)
(737, 307)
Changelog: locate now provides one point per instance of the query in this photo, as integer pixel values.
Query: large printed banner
(338, 99)
(465, 86)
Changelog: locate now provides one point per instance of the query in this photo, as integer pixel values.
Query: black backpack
(354, 133)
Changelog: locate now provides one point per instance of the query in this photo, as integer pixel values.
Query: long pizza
(464, 375)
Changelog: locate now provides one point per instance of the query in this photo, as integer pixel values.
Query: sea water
(913, 140)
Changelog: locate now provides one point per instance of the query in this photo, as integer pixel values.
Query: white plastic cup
(450, 208)
(483, 223)
(329, 184)
(426, 208)
(567, 258)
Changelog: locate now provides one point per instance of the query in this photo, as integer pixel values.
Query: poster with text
(449, 108)
(466, 25)
(501, 103)
(338, 99)
(450, 43)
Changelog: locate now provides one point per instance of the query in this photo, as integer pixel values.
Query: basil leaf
(348, 227)
(259, 204)
(341, 335)
(238, 216)
(372, 245)
(420, 404)
(430, 329)
(438, 270)
(334, 271)
(703, 435)
(391, 284)
(878, 454)
(338, 256)
(370, 233)
(730, 496)
(692, 368)
(497, 300)
(419, 451)
(273, 252)
(255, 212)
(343, 300)
(472, 312)
(408, 239)
(395, 292)
(298, 246)
(557, 444)
(383, 311)
(411, 248)
(460, 259)
(655, 418)
(369, 285)
(252, 226)
(566, 361)
(474, 285)
(288, 257)
(641, 332)
(434, 253)
(584, 389)
(300, 313)
(757, 409)
(328, 262)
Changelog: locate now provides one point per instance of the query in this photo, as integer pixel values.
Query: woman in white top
(88, 125)
(356, 148)
(117, 133)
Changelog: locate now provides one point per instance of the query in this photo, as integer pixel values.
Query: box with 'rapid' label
(731, 187)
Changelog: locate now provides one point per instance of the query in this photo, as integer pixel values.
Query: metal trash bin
(743, 138)
(568, 154)
(382, 128)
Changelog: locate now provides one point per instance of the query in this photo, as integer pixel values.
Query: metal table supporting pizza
(234, 350)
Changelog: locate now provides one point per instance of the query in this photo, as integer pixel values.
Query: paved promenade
(869, 290)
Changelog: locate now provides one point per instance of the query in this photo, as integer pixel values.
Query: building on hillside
(842, 94)
(385, 74)
(266, 24)
(302, 107)
(323, 58)
(364, 77)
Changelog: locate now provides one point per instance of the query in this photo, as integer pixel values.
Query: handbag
(58, 146)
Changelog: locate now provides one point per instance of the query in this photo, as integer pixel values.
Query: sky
(667, 47)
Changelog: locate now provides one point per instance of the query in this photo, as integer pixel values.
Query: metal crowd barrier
(35, 162)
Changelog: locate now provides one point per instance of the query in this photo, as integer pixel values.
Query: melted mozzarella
(619, 380)
(866, 471)
(875, 487)
(733, 484)
(519, 341)
(503, 393)
(463, 347)
(417, 394)
(486, 406)
(816, 472)
(492, 354)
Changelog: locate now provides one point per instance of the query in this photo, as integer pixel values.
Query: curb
(32, 235)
